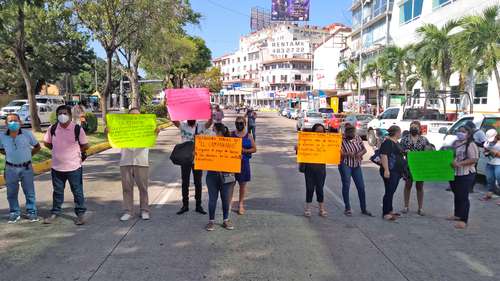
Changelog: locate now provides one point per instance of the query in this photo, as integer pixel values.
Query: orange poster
(217, 154)
(319, 148)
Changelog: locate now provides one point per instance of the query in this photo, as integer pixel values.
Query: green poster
(431, 165)
(131, 130)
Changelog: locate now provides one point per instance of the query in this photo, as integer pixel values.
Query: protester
(68, 143)
(414, 141)
(492, 154)
(249, 148)
(478, 136)
(392, 168)
(251, 117)
(189, 130)
(219, 182)
(466, 156)
(134, 168)
(315, 175)
(352, 150)
(218, 115)
(19, 146)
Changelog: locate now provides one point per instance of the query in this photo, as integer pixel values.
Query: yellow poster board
(334, 104)
(131, 130)
(217, 154)
(319, 148)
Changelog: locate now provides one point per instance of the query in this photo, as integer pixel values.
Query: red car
(334, 121)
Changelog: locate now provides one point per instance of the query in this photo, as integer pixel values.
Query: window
(283, 78)
(481, 93)
(459, 124)
(490, 123)
(297, 77)
(378, 7)
(440, 3)
(410, 10)
(455, 97)
(356, 18)
(390, 114)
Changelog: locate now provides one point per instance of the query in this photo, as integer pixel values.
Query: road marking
(338, 199)
(164, 198)
(473, 264)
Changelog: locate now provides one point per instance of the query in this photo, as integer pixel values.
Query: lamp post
(360, 56)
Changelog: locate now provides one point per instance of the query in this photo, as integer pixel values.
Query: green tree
(210, 78)
(398, 64)
(375, 70)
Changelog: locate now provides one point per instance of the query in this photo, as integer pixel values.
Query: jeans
(492, 176)
(315, 175)
(390, 184)
(252, 131)
(76, 184)
(14, 175)
(460, 187)
(185, 173)
(356, 173)
(216, 186)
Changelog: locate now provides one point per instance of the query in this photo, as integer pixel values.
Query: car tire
(371, 138)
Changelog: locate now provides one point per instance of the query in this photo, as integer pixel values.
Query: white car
(307, 120)
(12, 107)
(51, 101)
(294, 114)
(44, 112)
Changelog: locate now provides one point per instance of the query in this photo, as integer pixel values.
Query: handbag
(183, 154)
(227, 178)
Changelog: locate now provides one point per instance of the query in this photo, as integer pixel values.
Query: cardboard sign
(188, 104)
(431, 165)
(131, 130)
(319, 148)
(218, 154)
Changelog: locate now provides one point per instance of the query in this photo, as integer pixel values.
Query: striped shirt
(355, 146)
(460, 155)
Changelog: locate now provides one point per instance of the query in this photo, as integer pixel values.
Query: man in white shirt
(189, 130)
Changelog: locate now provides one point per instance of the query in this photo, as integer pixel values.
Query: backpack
(53, 129)
(183, 153)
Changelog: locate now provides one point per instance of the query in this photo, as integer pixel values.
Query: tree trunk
(107, 88)
(133, 76)
(19, 52)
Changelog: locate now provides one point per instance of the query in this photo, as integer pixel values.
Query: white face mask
(63, 118)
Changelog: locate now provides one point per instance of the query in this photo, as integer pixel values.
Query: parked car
(334, 121)
(294, 114)
(360, 121)
(431, 120)
(326, 112)
(285, 112)
(44, 112)
(51, 101)
(12, 107)
(307, 120)
(445, 137)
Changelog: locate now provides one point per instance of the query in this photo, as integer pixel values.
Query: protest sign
(218, 154)
(319, 148)
(188, 104)
(431, 165)
(131, 130)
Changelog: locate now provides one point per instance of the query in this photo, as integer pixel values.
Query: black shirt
(394, 153)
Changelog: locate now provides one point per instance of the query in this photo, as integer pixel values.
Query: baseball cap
(491, 135)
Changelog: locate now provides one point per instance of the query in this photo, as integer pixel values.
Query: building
(409, 15)
(271, 66)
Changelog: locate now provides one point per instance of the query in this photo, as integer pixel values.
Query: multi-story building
(409, 15)
(270, 65)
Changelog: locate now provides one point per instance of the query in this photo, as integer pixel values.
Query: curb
(45, 166)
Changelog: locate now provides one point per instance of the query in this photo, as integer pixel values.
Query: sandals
(405, 210)
(307, 213)
(460, 225)
(348, 213)
(323, 213)
(453, 218)
(389, 217)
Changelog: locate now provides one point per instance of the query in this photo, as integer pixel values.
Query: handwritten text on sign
(188, 104)
(431, 165)
(217, 154)
(131, 130)
(319, 148)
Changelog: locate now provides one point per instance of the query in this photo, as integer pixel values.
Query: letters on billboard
(290, 10)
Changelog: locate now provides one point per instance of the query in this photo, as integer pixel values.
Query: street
(272, 241)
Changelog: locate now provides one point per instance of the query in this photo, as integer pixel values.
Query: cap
(491, 134)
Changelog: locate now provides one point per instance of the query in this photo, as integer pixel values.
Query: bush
(159, 110)
(90, 125)
(53, 118)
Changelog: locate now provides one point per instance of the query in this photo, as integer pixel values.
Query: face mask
(191, 122)
(63, 118)
(461, 136)
(13, 126)
(239, 126)
(414, 131)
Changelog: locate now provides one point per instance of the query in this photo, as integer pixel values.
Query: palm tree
(437, 44)
(398, 63)
(482, 41)
(348, 75)
(423, 68)
(375, 70)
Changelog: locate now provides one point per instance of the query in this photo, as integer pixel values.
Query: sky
(224, 21)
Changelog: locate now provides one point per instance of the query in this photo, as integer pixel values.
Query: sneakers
(125, 217)
(145, 215)
(50, 219)
(13, 218)
(227, 224)
(80, 219)
(183, 210)
(210, 226)
(32, 217)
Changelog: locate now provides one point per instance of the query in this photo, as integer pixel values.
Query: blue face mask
(461, 136)
(13, 126)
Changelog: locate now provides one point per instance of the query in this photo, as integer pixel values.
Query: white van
(51, 101)
(12, 107)
(44, 112)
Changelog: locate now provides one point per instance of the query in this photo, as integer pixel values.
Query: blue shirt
(18, 149)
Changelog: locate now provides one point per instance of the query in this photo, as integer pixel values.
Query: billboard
(290, 10)
(259, 19)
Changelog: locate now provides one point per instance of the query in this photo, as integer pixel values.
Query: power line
(227, 8)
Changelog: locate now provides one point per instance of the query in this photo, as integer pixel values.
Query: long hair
(316, 126)
(221, 129)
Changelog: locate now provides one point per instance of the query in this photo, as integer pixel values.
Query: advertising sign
(289, 47)
(290, 10)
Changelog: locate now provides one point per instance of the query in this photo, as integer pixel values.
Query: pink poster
(188, 104)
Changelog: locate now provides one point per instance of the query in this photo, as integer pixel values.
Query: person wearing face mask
(352, 150)
(392, 167)
(68, 143)
(466, 156)
(189, 130)
(249, 148)
(492, 154)
(414, 141)
(19, 146)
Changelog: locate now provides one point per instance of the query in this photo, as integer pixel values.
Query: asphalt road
(273, 241)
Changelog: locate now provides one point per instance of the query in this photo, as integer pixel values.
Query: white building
(409, 15)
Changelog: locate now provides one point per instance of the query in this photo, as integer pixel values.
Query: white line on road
(164, 198)
(473, 264)
(338, 199)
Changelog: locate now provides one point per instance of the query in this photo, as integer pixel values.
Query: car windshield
(16, 103)
(314, 114)
(364, 117)
(25, 107)
(325, 110)
(422, 114)
(41, 100)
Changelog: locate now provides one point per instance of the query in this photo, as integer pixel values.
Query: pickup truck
(430, 119)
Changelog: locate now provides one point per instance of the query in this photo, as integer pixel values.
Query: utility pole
(360, 56)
